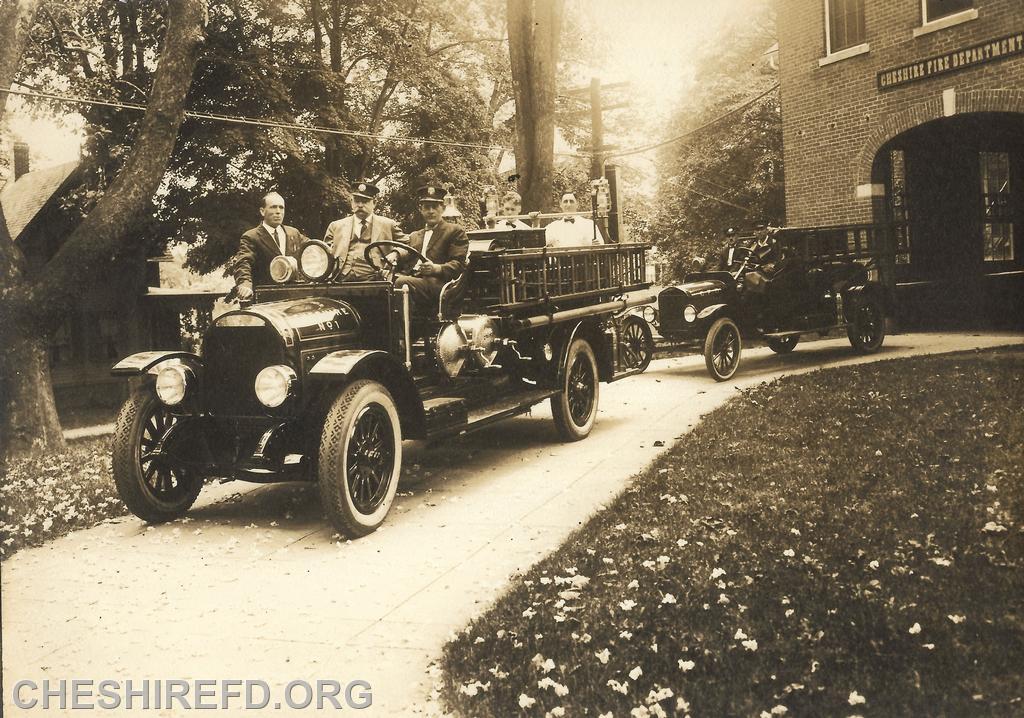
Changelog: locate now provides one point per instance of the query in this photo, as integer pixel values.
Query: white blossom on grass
(856, 699)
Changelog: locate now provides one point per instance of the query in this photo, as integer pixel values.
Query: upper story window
(932, 10)
(844, 25)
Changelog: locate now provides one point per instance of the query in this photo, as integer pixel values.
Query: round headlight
(316, 261)
(171, 384)
(283, 268)
(274, 385)
(690, 313)
(649, 313)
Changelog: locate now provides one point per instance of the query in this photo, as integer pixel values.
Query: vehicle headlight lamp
(274, 385)
(172, 382)
(283, 269)
(316, 262)
(649, 313)
(690, 313)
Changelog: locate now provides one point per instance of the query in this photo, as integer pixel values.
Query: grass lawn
(843, 543)
(48, 496)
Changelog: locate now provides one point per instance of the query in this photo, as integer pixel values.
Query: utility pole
(596, 128)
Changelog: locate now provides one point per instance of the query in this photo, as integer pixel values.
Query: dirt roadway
(254, 586)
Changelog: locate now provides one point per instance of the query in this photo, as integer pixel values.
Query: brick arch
(966, 102)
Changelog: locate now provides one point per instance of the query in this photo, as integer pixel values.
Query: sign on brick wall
(952, 61)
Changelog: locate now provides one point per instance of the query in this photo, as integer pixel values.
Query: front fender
(145, 361)
(347, 365)
(709, 311)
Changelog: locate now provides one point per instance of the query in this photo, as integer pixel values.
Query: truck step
(510, 405)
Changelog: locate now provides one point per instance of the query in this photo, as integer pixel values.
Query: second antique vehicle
(777, 288)
(321, 380)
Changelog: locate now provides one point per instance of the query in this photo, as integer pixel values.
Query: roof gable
(23, 198)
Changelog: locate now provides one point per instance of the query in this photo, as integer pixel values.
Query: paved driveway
(253, 585)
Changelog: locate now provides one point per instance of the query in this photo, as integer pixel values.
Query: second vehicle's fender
(709, 311)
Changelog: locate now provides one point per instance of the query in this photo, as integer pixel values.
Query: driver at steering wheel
(444, 245)
(349, 237)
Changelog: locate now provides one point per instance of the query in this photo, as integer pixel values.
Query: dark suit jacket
(448, 247)
(255, 250)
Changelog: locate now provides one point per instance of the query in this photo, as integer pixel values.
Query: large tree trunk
(31, 308)
(16, 18)
(29, 413)
(534, 32)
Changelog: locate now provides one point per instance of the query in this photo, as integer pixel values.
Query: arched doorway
(954, 193)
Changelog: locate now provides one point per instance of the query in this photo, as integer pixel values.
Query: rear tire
(152, 488)
(360, 458)
(722, 347)
(783, 345)
(636, 343)
(575, 406)
(867, 326)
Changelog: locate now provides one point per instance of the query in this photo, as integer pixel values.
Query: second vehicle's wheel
(360, 458)
(783, 345)
(722, 347)
(152, 487)
(636, 343)
(575, 406)
(867, 326)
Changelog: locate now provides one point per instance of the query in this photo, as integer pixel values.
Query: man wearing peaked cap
(350, 236)
(444, 244)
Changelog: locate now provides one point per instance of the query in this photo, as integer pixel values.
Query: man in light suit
(444, 244)
(350, 236)
(258, 246)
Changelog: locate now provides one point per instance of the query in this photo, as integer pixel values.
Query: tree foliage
(729, 174)
(424, 68)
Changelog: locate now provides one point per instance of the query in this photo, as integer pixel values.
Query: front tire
(783, 345)
(575, 406)
(151, 487)
(867, 326)
(360, 458)
(722, 347)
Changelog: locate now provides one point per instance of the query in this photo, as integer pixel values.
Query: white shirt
(427, 234)
(581, 231)
(282, 241)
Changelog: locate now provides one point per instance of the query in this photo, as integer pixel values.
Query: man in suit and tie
(444, 244)
(258, 246)
(350, 236)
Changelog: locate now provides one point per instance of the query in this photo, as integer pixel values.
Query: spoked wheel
(783, 345)
(575, 406)
(867, 326)
(360, 458)
(151, 486)
(722, 348)
(636, 343)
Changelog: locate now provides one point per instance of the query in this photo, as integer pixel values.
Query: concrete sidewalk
(253, 585)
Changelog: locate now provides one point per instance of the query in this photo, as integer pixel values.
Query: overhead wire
(322, 129)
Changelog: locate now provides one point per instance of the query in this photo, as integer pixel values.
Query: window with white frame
(844, 24)
(932, 10)
(997, 215)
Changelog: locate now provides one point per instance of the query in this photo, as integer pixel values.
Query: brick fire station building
(909, 114)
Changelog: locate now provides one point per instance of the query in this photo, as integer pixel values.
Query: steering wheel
(374, 254)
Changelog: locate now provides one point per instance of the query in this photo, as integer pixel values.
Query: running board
(518, 403)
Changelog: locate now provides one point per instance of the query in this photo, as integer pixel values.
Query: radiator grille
(232, 357)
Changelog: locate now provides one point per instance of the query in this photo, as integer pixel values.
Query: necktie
(570, 220)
